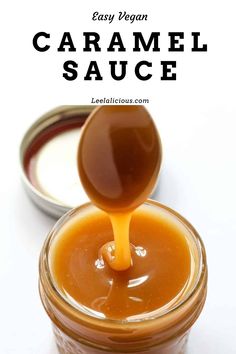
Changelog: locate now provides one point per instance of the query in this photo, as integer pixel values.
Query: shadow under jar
(164, 331)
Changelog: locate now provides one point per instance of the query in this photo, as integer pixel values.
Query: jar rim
(154, 315)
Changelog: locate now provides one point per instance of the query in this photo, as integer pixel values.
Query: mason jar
(165, 332)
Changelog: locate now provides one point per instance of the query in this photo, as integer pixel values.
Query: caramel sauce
(121, 260)
(119, 157)
(160, 271)
(119, 160)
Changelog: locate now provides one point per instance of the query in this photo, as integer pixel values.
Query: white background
(196, 118)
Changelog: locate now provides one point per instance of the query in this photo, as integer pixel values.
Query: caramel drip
(117, 253)
(119, 160)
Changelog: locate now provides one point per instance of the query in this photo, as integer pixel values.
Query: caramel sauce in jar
(159, 274)
(96, 310)
(122, 275)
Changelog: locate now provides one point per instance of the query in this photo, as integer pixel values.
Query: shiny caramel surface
(161, 264)
(119, 157)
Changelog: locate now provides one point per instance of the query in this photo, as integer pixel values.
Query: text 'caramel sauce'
(148, 263)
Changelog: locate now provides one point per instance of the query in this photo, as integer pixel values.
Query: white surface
(55, 169)
(196, 117)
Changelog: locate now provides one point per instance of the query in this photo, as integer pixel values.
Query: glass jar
(162, 332)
